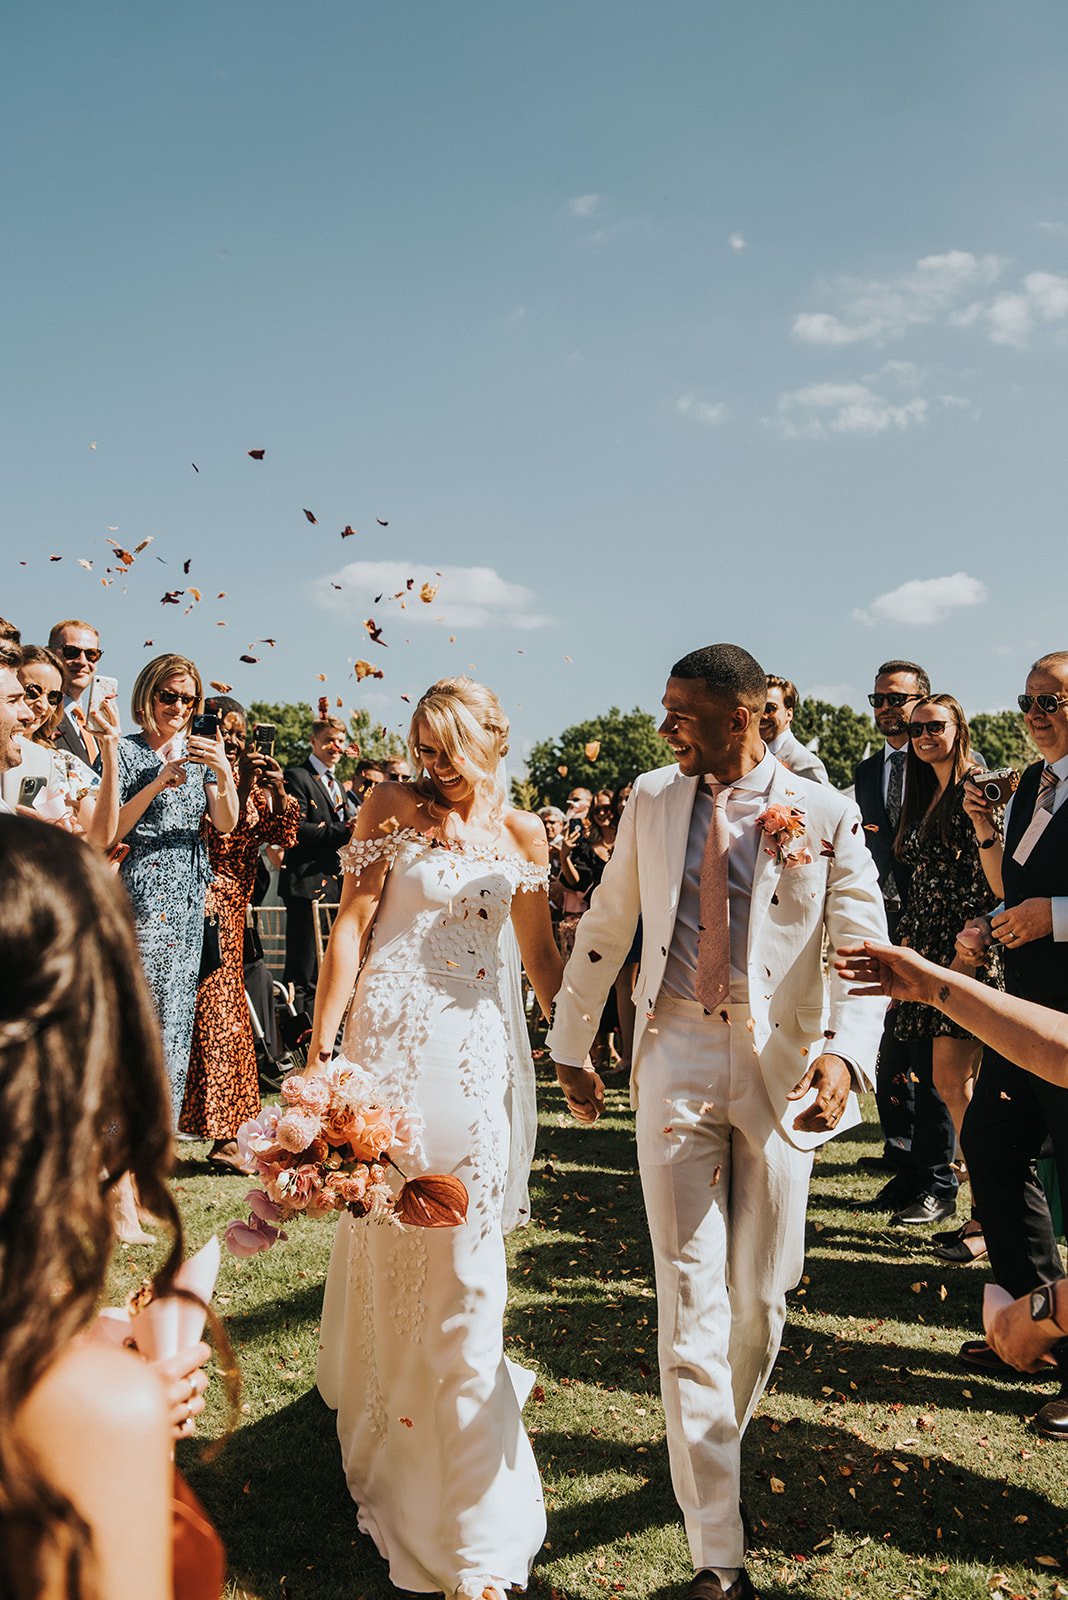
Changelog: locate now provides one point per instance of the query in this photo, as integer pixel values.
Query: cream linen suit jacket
(797, 1010)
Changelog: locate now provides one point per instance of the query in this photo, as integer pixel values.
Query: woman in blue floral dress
(167, 780)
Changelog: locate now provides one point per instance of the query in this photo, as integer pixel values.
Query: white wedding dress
(412, 1353)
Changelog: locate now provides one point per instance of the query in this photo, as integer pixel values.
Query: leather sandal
(965, 1246)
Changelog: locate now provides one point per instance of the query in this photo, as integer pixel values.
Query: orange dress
(199, 1558)
(223, 1089)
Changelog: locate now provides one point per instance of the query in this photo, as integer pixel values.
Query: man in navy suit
(919, 1138)
(77, 644)
(311, 870)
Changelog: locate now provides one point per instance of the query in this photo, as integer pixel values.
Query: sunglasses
(1043, 702)
(71, 652)
(33, 691)
(916, 730)
(174, 697)
(895, 700)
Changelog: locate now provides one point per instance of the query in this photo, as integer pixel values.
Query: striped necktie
(1046, 785)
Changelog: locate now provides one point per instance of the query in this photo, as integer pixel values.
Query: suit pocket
(810, 1021)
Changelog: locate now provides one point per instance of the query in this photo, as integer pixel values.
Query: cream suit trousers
(725, 1195)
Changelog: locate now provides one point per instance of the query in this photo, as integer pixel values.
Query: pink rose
(371, 1130)
(312, 1094)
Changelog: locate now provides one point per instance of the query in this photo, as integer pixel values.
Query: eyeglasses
(71, 652)
(173, 697)
(895, 700)
(916, 730)
(33, 691)
(1043, 702)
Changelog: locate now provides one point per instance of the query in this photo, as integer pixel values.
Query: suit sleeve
(602, 939)
(853, 912)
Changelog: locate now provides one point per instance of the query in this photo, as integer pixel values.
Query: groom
(745, 1055)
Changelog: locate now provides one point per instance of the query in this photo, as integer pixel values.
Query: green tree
(843, 736)
(1002, 739)
(293, 724)
(626, 743)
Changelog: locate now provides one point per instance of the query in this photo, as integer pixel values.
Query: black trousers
(1012, 1119)
(925, 1164)
(895, 1096)
(302, 967)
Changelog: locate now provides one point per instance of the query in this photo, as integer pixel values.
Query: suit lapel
(767, 871)
(678, 808)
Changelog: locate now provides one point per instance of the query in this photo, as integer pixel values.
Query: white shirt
(1058, 905)
(745, 801)
(333, 787)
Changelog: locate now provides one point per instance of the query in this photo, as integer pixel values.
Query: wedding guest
(585, 850)
(395, 769)
(92, 799)
(77, 644)
(367, 774)
(879, 788)
(168, 779)
(948, 887)
(15, 714)
(311, 870)
(1012, 1115)
(222, 1090)
(1027, 1332)
(88, 1493)
(9, 632)
(780, 703)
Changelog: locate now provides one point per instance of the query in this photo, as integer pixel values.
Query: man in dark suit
(1014, 1117)
(919, 1139)
(77, 644)
(311, 870)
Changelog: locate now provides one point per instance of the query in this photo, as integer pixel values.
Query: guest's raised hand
(977, 806)
(889, 969)
(831, 1078)
(973, 941)
(172, 775)
(1031, 919)
(184, 1382)
(209, 753)
(583, 1091)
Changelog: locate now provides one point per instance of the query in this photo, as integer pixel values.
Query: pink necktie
(712, 980)
(1046, 785)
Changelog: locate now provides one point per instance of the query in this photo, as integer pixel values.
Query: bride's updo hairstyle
(83, 1099)
(464, 719)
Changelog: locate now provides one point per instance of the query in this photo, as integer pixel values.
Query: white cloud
(1012, 317)
(1060, 228)
(737, 243)
(584, 205)
(467, 597)
(875, 310)
(822, 409)
(923, 601)
(706, 411)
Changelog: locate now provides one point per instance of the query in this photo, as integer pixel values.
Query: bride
(441, 878)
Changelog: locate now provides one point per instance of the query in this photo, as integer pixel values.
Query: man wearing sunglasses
(879, 789)
(1013, 1116)
(77, 644)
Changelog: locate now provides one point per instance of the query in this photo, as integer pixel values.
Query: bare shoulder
(527, 834)
(390, 806)
(99, 1387)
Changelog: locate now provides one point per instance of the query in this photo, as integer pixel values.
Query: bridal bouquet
(329, 1147)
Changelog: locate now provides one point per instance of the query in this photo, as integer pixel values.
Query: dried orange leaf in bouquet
(437, 1200)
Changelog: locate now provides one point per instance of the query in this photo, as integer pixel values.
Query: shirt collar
(320, 767)
(889, 751)
(757, 781)
(1060, 768)
(776, 744)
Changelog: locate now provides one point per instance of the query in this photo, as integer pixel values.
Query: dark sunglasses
(895, 700)
(1044, 702)
(71, 652)
(33, 691)
(916, 730)
(173, 697)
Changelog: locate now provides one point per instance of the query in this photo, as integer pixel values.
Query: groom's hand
(831, 1077)
(583, 1091)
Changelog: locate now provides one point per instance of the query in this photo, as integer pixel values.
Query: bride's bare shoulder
(527, 833)
(390, 806)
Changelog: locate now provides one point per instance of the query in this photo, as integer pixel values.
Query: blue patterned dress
(166, 875)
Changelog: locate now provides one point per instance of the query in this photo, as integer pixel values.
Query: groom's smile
(707, 733)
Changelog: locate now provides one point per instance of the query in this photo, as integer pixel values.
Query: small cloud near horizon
(737, 242)
(923, 601)
(584, 205)
(711, 413)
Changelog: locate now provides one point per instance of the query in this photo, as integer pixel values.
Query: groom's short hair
(726, 670)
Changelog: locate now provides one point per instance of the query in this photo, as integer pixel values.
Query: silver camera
(996, 786)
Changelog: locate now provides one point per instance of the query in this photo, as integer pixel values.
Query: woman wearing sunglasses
(169, 778)
(90, 800)
(948, 886)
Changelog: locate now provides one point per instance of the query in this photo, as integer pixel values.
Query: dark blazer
(311, 870)
(69, 738)
(1038, 970)
(878, 835)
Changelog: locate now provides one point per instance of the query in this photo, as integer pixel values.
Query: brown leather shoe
(706, 1586)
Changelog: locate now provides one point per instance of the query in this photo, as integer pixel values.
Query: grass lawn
(876, 1466)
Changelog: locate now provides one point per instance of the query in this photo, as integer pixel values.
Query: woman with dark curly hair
(87, 1488)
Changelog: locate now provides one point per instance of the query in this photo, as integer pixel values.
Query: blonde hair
(465, 720)
(151, 677)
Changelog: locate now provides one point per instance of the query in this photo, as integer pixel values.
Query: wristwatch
(1044, 1303)
(985, 844)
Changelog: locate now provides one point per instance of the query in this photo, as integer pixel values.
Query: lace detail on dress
(361, 1281)
(407, 1275)
(359, 854)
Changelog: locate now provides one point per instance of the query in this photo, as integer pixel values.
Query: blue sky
(643, 325)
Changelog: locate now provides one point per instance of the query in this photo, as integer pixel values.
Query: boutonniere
(785, 827)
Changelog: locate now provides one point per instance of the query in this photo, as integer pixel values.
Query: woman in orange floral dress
(223, 1090)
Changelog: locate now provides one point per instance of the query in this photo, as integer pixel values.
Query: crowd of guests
(972, 1081)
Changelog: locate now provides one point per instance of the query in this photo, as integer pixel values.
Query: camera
(205, 725)
(996, 786)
